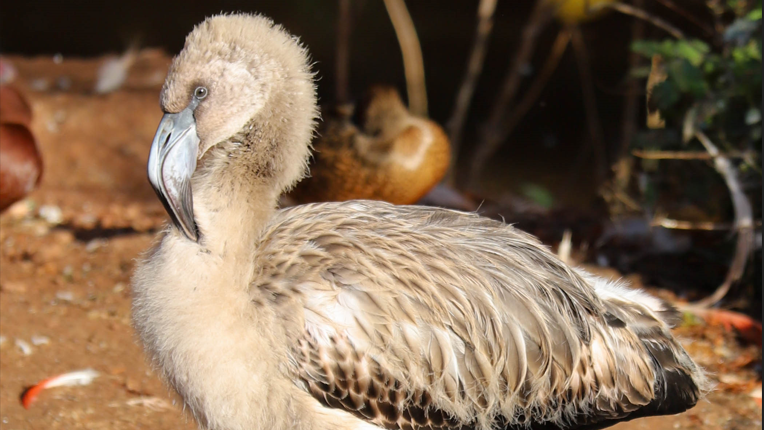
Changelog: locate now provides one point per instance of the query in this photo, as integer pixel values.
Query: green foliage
(719, 83)
(712, 85)
(538, 194)
(691, 50)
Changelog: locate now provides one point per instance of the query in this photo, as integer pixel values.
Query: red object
(78, 377)
(14, 108)
(31, 394)
(748, 328)
(20, 160)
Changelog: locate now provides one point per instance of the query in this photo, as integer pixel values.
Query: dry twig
(622, 167)
(590, 102)
(489, 141)
(413, 64)
(658, 74)
(343, 52)
(674, 224)
(743, 220)
(685, 155)
(455, 124)
(537, 86)
(641, 14)
(673, 6)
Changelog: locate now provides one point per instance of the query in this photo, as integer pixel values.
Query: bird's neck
(232, 214)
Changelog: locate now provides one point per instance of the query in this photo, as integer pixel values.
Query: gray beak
(172, 162)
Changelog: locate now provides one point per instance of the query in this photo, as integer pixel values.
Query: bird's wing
(427, 317)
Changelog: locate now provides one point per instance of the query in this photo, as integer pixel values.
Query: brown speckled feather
(405, 332)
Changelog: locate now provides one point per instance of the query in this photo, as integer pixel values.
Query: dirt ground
(68, 251)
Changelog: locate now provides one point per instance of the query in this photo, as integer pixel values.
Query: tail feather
(678, 382)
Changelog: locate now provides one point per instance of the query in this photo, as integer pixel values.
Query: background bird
(377, 151)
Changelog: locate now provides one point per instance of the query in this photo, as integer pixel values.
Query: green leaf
(688, 78)
(689, 319)
(665, 95)
(648, 48)
(751, 51)
(540, 195)
(754, 15)
(712, 64)
(692, 50)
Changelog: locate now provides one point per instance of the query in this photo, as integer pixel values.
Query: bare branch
(343, 52)
(688, 225)
(413, 64)
(489, 140)
(641, 14)
(673, 6)
(455, 124)
(590, 102)
(686, 155)
(537, 86)
(743, 220)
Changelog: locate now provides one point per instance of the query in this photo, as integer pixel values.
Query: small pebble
(68, 273)
(66, 296)
(24, 347)
(51, 214)
(119, 287)
(3, 339)
(40, 340)
(94, 244)
(58, 58)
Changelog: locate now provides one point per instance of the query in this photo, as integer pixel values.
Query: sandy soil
(68, 251)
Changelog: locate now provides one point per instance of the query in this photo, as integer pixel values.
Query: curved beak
(172, 162)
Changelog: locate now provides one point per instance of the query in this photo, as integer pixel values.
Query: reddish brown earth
(67, 253)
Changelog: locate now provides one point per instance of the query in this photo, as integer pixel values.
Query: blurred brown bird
(391, 156)
(20, 161)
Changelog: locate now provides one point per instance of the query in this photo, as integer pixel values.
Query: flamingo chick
(362, 314)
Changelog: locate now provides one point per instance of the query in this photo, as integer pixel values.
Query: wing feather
(416, 318)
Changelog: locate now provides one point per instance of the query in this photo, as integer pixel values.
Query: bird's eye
(200, 92)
